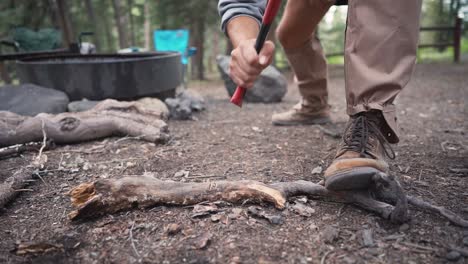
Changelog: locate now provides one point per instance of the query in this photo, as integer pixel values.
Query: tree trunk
(147, 25)
(4, 73)
(94, 23)
(39, 9)
(198, 71)
(53, 14)
(65, 22)
(121, 22)
(201, 49)
(107, 28)
(132, 22)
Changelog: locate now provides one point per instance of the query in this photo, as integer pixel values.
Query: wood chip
(202, 241)
(24, 248)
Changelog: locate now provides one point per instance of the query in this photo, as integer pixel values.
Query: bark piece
(258, 212)
(14, 185)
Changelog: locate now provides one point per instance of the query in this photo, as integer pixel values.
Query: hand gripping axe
(270, 12)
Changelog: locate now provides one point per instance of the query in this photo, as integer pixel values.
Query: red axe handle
(270, 13)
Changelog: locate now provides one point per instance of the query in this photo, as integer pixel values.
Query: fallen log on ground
(108, 118)
(113, 195)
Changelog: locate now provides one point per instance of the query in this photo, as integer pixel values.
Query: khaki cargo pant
(380, 53)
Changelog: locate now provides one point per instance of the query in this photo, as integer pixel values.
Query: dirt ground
(230, 143)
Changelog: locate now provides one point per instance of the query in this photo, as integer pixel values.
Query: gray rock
(453, 255)
(270, 86)
(197, 103)
(80, 106)
(184, 104)
(29, 99)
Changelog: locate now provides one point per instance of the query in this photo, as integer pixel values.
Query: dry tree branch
(113, 195)
(108, 118)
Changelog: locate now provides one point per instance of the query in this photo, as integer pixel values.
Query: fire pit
(101, 76)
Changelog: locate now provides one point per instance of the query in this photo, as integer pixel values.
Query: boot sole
(316, 121)
(355, 178)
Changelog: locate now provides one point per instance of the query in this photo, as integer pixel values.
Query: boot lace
(356, 138)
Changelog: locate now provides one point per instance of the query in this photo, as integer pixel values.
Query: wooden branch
(113, 195)
(108, 118)
(110, 196)
(451, 216)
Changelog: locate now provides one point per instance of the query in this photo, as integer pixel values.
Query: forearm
(241, 28)
(243, 18)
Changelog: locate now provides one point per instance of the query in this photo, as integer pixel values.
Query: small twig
(458, 170)
(340, 211)
(205, 176)
(462, 251)
(24, 190)
(40, 177)
(132, 241)
(128, 138)
(116, 160)
(16, 150)
(44, 140)
(224, 121)
(322, 261)
(409, 244)
(451, 216)
(442, 145)
(60, 162)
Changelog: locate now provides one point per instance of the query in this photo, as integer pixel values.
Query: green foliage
(332, 30)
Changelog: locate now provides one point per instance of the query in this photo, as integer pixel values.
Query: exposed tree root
(108, 118)
(113, 195)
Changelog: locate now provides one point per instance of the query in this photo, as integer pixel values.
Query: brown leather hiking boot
(361, 153)
(302, 114)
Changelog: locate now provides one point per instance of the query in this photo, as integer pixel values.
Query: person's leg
(380, 53)
(305, 55)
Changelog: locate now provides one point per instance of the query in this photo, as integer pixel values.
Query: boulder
(30, 99)
(82, 105)
(270, 86)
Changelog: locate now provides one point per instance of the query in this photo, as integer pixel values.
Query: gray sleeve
(229, 9)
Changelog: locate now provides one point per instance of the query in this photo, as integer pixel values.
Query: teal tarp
(172, 40)
(43, 39)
